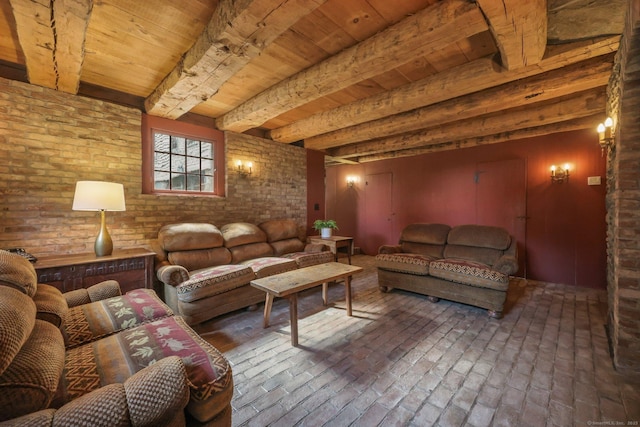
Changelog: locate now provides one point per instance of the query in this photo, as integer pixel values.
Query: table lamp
(100, 196)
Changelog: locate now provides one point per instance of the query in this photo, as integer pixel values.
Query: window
(181, 158)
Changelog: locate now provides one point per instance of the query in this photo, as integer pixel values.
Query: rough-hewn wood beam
(578, 77)
(462, 80)
(558, 110)
(52, 36)
(519, 28)
(571, 125)
(425, 32)
(238, 31)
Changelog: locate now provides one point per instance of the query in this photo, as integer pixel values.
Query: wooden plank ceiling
(361, 80)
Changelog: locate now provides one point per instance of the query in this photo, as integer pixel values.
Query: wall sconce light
(99, 196)
(351, 180)
(561, 175)
(244, 169)
(605, 134)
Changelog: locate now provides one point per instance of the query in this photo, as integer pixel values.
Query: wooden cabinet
(132, 268)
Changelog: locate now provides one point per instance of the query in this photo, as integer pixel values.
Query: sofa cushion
(469, 273)
(51, 305)
(242, 233)
(251, 251)
(214, 281)
(486, 256)
(17, 318)
(433, 251)
(433, 234)
(307, 259)
(202, 258)
(268, 266)
(280, 229)
(29, 383)
(405, 263)
(287, 246)
(88, 322)
(115, 358)
(18, 273)
(482, 236)
(189, 236)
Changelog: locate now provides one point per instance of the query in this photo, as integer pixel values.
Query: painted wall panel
(565, 228)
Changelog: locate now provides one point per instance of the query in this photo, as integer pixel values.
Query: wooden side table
(132, 268)
(334, 243)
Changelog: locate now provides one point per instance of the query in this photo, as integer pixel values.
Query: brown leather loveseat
(470, 264)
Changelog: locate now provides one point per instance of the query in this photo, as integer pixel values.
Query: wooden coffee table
(288, 284)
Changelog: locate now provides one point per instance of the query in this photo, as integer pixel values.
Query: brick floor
(401, 360)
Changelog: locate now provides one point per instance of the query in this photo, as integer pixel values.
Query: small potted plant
(325, 226)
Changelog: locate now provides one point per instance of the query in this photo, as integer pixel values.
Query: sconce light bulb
(239, 163)
(566, 166)
(608, 122)
(249, 165)
(601, 128)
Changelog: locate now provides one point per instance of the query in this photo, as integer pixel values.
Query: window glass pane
(207, 150)
(161, 162)
(207, 183)
(207, 166)
(177, 164)
(161, 180)
(193, 148)
(161, 142)
(177, 182)
(193, 182)
(193, 164)
(177, 145)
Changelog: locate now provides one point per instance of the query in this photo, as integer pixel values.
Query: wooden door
(378, 214)
(501, 200)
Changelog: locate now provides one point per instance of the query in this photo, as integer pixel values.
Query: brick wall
(623, 200)
(50, 140)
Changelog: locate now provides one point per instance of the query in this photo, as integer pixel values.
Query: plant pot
(325, 233)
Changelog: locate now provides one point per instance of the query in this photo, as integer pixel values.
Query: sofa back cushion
(280, 229)
(17, 318)
(189, 236)
(480, 243)
(18, 273)
(198, 259)
(424, 239)
(245, 241)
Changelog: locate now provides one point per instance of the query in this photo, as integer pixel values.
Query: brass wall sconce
(561, 175)
(605, 134)
(244, 169)
(351, 180)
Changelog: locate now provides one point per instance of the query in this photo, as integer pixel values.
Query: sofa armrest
(506, 264)
(315, 248)
(389, 249)
(172, 275)
(130, 403)
(97, 292)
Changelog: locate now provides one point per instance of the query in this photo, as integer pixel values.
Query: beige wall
(49, 140)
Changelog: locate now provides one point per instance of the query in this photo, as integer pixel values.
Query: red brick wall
(623, 200)
(49, 140)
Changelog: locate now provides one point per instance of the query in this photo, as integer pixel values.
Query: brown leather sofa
(470, 264)
(206, 271)
(95, 357)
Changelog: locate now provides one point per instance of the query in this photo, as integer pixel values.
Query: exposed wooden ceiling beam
(570, 125)
(462, 80)
(543, 113)
(577, 77)
(52, 36)
(238, 32)
(421, 34)
(519, 28)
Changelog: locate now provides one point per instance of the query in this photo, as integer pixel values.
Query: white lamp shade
(98, 196)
